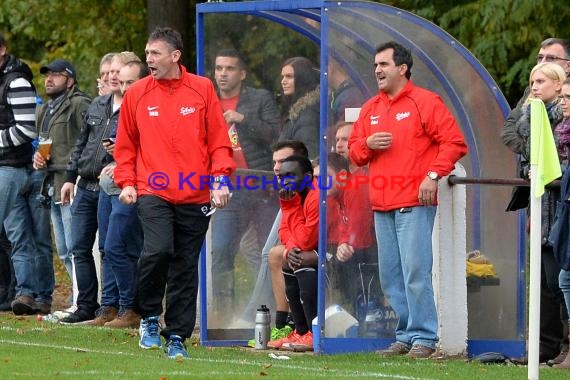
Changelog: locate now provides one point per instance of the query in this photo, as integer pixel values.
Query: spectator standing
(553, 316)
(562, 131)
(401, 116)
(119, 222)
(7, 277)
(17, 131)
(124, 245)
(103, 87)
(171, 123)
(86, 161)
(60, 120)
(252, 119)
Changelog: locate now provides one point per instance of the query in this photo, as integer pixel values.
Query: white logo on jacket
(187, 110)
(402, 115)
(152, 111)
(374, 119)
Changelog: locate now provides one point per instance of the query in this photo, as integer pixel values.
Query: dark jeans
(28, 229)
(123, 237)
(83, 231)
(7, 276)
(552, 305)
(173, 238)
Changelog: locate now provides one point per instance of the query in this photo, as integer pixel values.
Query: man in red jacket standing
(173, 157)
(410, 140)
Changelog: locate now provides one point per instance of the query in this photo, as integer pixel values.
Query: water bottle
(262, 328)
(51, 318)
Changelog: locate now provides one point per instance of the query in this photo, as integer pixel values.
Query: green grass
(30, 350)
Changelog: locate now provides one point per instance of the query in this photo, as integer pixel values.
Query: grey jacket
(63, 129)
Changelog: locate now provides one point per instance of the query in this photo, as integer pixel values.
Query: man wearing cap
(60, 120)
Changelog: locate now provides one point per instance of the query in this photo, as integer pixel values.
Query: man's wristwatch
(221, 179)
(433, 176)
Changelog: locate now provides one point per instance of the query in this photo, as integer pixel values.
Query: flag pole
(534, 289)
(544, 168)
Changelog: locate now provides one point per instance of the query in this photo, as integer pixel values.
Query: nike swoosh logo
(374, 117)
(151, 108)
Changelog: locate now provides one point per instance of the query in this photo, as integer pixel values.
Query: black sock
(308, 287)
(294, 299)
(281, 318)
(290, 321)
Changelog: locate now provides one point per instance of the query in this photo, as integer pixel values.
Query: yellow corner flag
(543, 151)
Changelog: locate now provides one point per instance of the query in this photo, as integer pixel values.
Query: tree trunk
(179, 15)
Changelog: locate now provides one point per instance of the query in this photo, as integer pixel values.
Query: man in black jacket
(88, 157)
(17, 131)
(252, 117)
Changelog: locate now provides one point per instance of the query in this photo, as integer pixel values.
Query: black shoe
(24, 305)
(79, 316)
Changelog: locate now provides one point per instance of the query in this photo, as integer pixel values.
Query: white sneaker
(71, 309)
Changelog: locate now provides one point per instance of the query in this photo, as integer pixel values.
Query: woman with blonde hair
(546, 81)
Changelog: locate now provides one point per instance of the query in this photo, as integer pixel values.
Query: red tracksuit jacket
(171, 137)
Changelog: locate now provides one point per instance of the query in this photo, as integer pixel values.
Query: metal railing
(455, 180)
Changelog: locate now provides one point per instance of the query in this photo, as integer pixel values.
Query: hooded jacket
(16, 131)
(303, 122)
(425, 137)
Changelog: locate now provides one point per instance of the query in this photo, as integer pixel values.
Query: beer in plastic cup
(44, 147)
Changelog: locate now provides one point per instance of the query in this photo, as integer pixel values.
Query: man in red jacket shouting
(172, 137)
(410, 140)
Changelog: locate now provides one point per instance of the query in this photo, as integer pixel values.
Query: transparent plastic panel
(259, 115)
(441, 65)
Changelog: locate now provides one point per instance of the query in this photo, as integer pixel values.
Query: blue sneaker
(148, 330)
(175, 348)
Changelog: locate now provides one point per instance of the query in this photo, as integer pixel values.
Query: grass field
(38, 350)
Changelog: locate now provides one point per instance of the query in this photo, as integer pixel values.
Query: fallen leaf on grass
(267, 365)
(263, 373)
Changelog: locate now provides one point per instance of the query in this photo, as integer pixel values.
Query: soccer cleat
(276, 344)
(148, 330)
(303, 344)
(175, 348)
(280, 333)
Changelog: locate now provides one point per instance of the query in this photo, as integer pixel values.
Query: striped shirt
(22, 99)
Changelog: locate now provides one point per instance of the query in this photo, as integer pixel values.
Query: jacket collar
(403, 92)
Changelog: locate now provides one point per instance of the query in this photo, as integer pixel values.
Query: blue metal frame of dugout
(446, 73)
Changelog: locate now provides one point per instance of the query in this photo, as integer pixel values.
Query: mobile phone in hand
(109, 140)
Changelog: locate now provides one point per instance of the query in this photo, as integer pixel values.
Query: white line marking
(314, 371)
